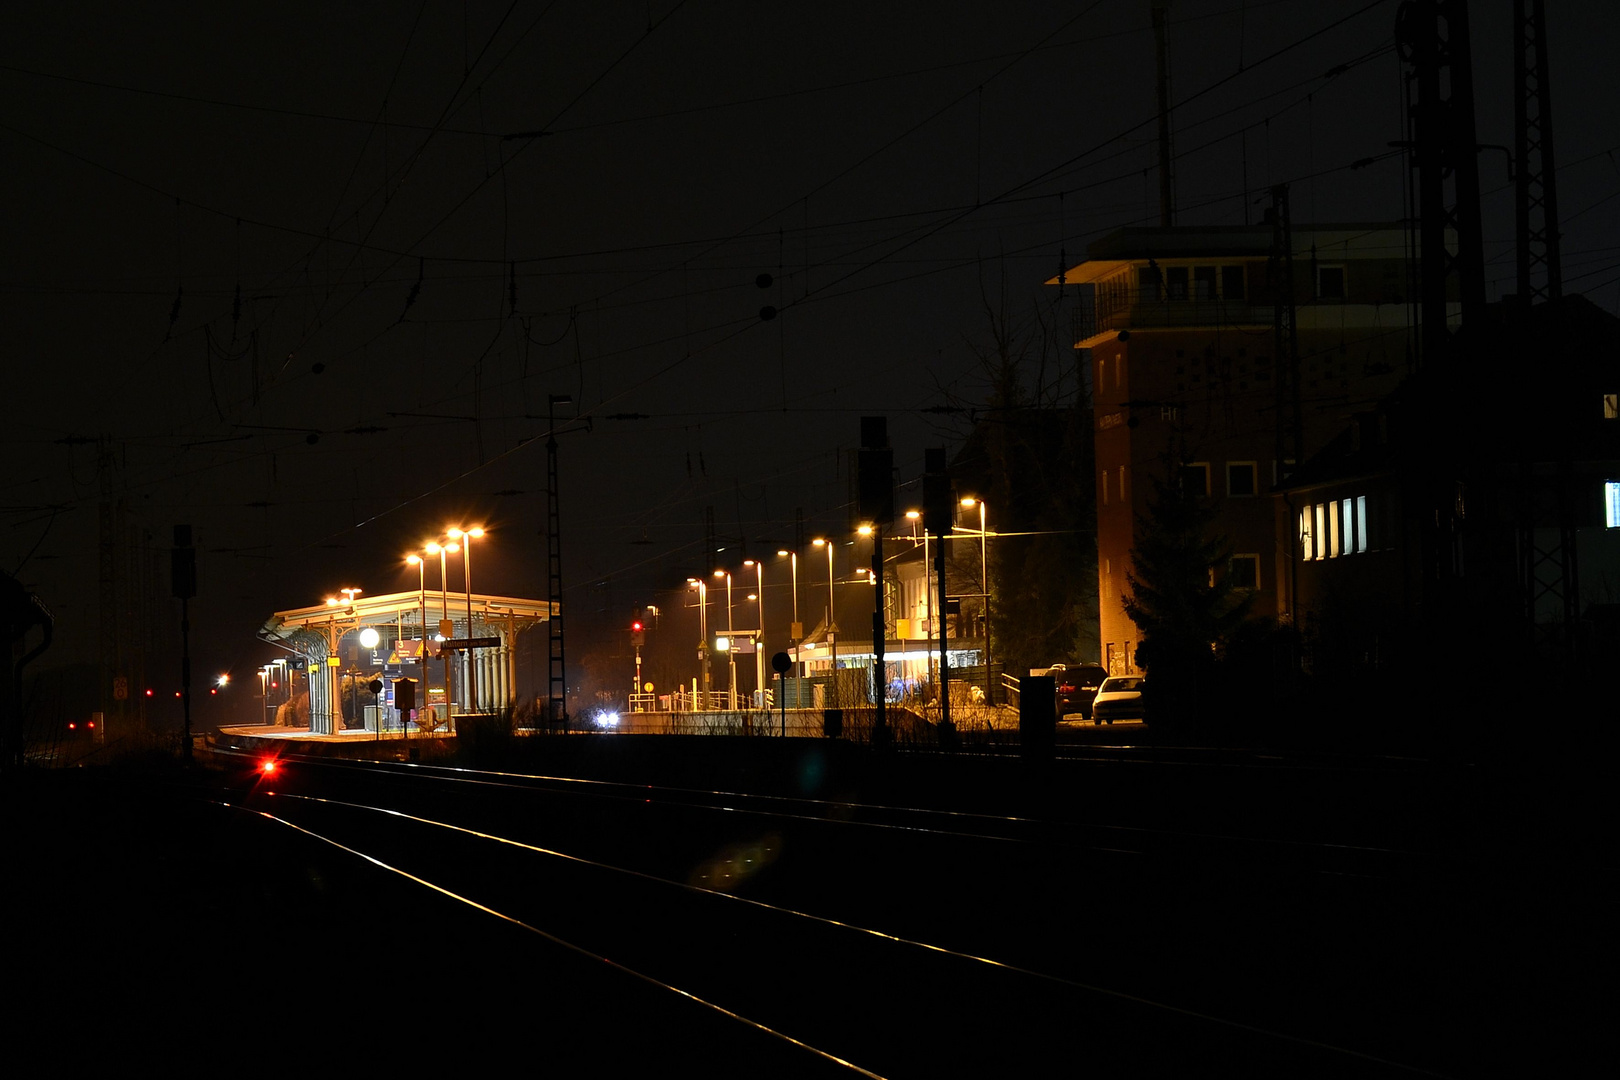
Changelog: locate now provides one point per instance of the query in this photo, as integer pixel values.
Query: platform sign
(120, 688)
(472, 643)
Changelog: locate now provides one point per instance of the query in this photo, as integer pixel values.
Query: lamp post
(731, 652)
(796, 630)
(420, 563)
(984, 586)
(915, 517)
(703, 634)
(832, 618)
(759, 639)
(466, 539)
(442, 550)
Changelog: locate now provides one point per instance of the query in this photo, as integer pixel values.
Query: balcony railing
(1135, 311)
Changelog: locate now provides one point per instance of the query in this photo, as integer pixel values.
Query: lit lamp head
(369, 637)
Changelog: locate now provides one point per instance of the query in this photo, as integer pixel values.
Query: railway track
(873, 933)
(835, 995)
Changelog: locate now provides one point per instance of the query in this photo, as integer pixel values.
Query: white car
(1118, 698)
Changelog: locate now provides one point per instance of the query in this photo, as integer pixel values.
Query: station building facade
(1178, 327)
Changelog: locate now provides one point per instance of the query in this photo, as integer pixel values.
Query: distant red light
(91, 725)
(149, 693)
(72, 726)
(268, 768)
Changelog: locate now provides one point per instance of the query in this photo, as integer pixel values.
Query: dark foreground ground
(147, 933)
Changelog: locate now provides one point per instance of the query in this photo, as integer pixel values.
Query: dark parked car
(1076, 686)
(1119, 698)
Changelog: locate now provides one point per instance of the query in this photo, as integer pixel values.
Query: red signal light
(91, 725)
(268, 768)
(72, 726)
(149, 693)
(635, 626)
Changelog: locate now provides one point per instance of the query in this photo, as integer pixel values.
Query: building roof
(1106, 256)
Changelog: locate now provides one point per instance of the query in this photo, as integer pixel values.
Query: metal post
(472, 659)
(880, 627)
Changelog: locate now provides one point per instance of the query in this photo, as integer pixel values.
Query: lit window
(1240, 478)
(1611, 504)
(1245, 572)
(1334, 547)
(1307, 536)
(1320, 532)
(1348, 507)
(1361, 523)
(1611, 406)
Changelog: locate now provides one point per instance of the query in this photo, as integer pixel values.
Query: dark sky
(346, 199)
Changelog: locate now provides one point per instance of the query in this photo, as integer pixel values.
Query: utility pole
(939, 505)
(183, 583)
(1161, 50)
(1535, 190)
(1432, 36)
(874, 502)
(1290, 423)
(557, 695)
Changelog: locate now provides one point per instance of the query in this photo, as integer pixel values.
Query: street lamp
(915, 517)
(703, 632)
(443, 550)
(467, 538)
(759, 641)
(832, 615)
(984, 580)
(731, 653)
(796, 631)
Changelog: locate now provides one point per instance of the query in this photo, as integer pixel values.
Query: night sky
(312, 271)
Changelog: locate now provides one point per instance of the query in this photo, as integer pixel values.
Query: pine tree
(1181, 597)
